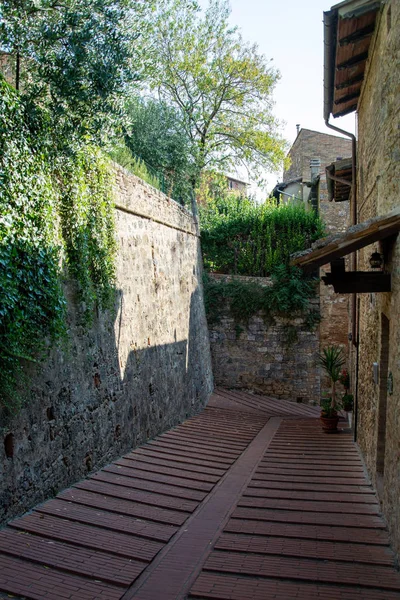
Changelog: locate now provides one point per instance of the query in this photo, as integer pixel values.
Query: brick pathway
(247, 500)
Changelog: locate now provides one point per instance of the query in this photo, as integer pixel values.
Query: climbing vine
(55, 220)
(87, 224)
(287, 296)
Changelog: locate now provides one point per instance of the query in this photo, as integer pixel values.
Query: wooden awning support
(358, 236)
(359, 282)
(334, 248)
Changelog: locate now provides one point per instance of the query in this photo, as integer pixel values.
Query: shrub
(240, 237)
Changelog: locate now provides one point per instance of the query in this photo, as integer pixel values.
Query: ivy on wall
(287, 296)
(87, 224)
(56, 219)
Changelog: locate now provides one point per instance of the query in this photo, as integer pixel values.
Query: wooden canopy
(349, 27)
(358, 236)
(339, 180)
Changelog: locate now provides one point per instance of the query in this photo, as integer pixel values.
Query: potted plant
(331, 359)
(347, 402)
(347, 399)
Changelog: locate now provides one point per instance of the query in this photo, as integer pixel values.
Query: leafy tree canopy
(155, 133)
(76, 57)
(221, 85)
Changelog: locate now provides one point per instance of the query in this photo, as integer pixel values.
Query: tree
(155, 133)
(221, 85)
(75, 57)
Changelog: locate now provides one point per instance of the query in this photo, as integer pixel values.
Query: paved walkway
(249, 500)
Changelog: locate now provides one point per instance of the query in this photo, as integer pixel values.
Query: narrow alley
(247, 500)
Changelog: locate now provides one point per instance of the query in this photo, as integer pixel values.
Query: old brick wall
(334, 327)
(259, 357)
(135, 374)
(378, 193)
(314, 144)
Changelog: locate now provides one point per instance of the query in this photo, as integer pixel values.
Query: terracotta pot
(329, 424)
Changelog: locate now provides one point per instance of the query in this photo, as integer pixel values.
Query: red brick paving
(291, 536)
(212, 509)
(172, 574)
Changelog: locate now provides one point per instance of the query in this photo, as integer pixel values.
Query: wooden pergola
(334, 248)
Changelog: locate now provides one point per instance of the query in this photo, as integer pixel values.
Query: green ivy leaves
(288, 297)
(54, 211)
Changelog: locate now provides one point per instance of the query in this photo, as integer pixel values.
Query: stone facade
(262, 358)
(313, 144)
(334, 326)
(136, 373)
(379, 315)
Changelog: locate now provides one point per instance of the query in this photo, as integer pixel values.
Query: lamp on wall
(376, 260)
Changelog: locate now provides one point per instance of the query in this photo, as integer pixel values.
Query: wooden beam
(337, 268)
(356, 237)
(351, 81)
(345, 111)
(354, 60)
(358, 35)
(359, 282)
(348, 97)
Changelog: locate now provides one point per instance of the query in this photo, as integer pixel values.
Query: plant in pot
(331, 359)
(347, 399)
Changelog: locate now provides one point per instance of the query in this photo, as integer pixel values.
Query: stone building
(237, 185)
(362, 73)
(310, 154)
(311, 157)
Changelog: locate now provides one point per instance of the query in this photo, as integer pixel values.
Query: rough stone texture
(313, 144)
(135, 374)
(378, 193)
(258, 356)
(334, 327)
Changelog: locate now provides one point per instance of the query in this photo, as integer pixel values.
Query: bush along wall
(288, 296)
(263, 313)
(240, 237)
(56, 220)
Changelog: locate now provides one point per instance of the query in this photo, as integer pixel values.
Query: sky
(291, 33)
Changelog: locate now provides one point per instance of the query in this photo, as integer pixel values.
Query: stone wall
(314, 144)
(135, 374)
(334, 327)
(262, 357)
(379, 193)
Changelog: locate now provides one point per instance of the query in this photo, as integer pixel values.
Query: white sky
(291, 32)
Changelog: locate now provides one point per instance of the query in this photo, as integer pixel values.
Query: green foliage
(288, 296)
(86, 210)
(36, 196)
(240, 237)
(347, 402)
(123, 156)
(156, 134)
(77, 57)
(329, 409)
(332, 359)
(221, 85)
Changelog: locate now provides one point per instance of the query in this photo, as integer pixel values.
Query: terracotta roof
(348, 30)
